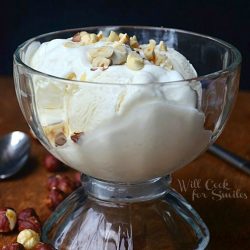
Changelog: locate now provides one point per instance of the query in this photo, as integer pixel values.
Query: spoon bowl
(14, 153)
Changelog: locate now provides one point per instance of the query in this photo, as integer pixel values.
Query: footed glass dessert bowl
(127, 107)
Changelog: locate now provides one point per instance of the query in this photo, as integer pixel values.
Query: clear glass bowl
(127, 139)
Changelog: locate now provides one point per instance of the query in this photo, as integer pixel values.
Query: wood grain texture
(228, 219)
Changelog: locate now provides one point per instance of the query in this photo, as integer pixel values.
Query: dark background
(23, 19)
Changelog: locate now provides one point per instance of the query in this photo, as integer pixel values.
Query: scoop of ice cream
(91, 104)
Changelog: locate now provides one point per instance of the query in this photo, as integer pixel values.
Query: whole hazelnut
(13, 246)
(28, 219)
(54, 198)
(28, 238)
(52, 164)
(43, 246)
(62, 183)
(7, 220)
(26, 213)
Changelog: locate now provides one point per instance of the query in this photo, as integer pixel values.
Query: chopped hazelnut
(160, 59)
(60, 139)
(124, 38)
(162, 46)
(103, 51)
(113, 36)
(57, 133)
(99, 35)
(120, 54)
(71, 76)
(76, 37)
(7, 220)
(93, 38)
(101, 62)
(28, 219)
(76, 136)
(28, 238)
(149, 52)
(133, 42)
(13, 246)
(135, 61)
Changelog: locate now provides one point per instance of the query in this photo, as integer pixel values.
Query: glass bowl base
(85, 222)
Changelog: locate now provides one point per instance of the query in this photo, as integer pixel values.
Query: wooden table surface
(225, 209)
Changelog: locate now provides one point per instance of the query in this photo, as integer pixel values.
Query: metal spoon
(14, 152)
(231, 158)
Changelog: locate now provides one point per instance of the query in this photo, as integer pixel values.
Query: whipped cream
(124, 122)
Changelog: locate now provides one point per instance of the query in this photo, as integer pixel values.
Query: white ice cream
(131, 132)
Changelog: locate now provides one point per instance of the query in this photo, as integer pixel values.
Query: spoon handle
(230, 157)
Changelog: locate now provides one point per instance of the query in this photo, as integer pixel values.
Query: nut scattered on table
(62, 183)
(52, 164)
(28, 219)
(13, 246)
(28, 238)
(59, 186)
(54, 198)
(43, 246)
(8, 220)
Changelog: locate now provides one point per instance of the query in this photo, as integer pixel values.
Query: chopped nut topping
(133, 42)
(149, 52)
(113, 36)
(93, 38)
(103, 51)
(101, 62)
(120, 54)
(77, 37)
(160, 59)
(99, 35)
(124, 38)
(71, 76)
(57, 133)
(60, 139)
(85, 37)
(134, 61)
(76, 136)
(116, 53)
(152, 43)
(162, 46)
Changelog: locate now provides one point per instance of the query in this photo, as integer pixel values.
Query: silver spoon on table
(14, 153)
(230, 157)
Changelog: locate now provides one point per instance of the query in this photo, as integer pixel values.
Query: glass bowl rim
(232, 66)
